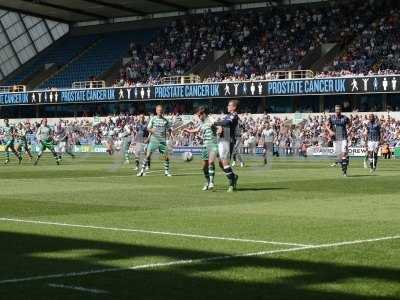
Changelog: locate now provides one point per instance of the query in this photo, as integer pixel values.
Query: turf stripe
(197, 261)
(197, 236)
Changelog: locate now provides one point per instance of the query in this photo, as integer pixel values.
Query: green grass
(292, 201)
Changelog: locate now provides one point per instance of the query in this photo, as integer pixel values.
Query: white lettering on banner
(357, 151)
(329, 151)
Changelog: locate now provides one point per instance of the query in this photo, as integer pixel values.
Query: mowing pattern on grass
(91, 225)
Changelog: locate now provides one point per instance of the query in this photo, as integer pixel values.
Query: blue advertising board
(239, 89)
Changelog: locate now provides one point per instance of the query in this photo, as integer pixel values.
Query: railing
(12, 88)
(89, 84)
(181, 79)
(295, 74)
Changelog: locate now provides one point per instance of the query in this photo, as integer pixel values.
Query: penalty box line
(196, 261)
(175, 234)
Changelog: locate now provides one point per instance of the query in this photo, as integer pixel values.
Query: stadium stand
(255, 43)
(59, 54)
(377, 48)
(108, 50)
(174, 51)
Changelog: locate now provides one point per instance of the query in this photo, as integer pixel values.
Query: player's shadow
(361, 175)
(258, 277)
(260, 186)
(255, 189)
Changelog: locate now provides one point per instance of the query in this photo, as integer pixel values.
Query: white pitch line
(188, 235)
(77, 288)
(176, 174)
(196, 261)
(62, 178)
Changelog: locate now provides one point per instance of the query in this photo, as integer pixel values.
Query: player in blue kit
(139, 140)
(373, 138)
(337, 127)
(227, 140)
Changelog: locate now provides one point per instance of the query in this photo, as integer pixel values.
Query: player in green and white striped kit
(159, 128)
(210, 146)
(9, 138)
(44, 137)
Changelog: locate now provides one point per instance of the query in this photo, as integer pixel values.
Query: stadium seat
(97, 59)
(59, 54)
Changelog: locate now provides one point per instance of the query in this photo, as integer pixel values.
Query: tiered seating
(260, 42)
(60, 53)
(378, 47)
(98, 59)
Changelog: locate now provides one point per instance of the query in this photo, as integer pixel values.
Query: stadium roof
(72, 11)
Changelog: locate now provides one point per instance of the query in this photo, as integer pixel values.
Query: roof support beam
(173, 5)
(225, 3)
(67, 9)
(33, 14)
(29, 34)
(10, 43)
(48, 29)
(118, 7)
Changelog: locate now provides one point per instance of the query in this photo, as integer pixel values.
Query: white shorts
(340, 147)
(373, 146)
(170, 146)
(138, 149)
(268, 147)
(61, 147)
(224, 150)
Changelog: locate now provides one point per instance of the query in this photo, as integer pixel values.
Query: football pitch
(91, 229)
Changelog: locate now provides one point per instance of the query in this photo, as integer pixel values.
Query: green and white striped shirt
(209, 132)
(8, 133)
(43, 133)
(161, 126)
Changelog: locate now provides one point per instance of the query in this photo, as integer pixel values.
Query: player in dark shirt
(236, 151)
(140, 135)
(373, 138)
(226, 141)
(338, 125)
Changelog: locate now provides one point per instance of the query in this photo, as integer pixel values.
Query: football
(187, 156)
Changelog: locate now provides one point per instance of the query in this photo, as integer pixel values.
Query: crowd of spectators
(377, 48)
(281, 41)
(290, 135)
(345, 73)
(176, 48)
(261, 42)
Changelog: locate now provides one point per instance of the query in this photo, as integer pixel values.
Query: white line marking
(152, 171)
(62, 178)
(196, 261)
(197, 236)
(177, 174)
(77, 288)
